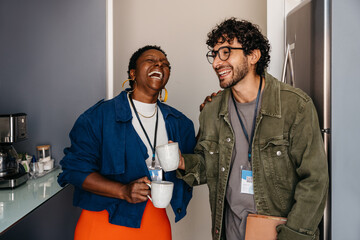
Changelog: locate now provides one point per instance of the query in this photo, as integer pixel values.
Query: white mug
(168, 155)
(161, 193)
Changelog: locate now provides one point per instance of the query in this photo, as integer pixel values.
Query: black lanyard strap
(254, 120)
(146, 135)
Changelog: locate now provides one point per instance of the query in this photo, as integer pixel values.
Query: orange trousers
(95, 226)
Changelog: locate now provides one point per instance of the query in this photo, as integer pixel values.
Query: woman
(111, 156)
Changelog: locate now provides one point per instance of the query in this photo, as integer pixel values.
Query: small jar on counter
(43, 153)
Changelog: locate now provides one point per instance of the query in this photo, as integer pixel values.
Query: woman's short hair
(138, 53)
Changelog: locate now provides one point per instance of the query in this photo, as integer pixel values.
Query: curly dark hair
(135, 57)
(247, 34)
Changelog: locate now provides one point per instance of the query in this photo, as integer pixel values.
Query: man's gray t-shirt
(239, 205)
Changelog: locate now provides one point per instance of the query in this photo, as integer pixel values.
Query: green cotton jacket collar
(288, 160)
(270, 106)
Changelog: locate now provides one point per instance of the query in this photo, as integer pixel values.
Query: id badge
(247, 182)
(156, 173)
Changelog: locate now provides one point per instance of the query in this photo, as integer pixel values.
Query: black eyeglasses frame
(210, 54)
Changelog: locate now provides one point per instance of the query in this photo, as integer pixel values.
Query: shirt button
(211, 153)
(222, 169)
(178, 210)
(228, 139)
(219, 201)
(278, 153)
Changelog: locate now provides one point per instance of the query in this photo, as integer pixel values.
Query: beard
(239, 73)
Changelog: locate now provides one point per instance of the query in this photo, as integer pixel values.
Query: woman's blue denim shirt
(104, 140)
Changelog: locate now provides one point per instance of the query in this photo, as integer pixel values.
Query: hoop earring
(125, 82)
(128, 89)
(166, 96)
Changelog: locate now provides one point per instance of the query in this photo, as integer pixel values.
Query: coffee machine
(12, 129)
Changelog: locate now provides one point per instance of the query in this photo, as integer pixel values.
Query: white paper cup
(25, 165)
(168, 155)
(48, 165)
(161, 193)
(40, 167)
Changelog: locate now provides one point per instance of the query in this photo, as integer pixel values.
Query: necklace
(151, 114)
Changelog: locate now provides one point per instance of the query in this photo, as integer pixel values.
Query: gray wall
(345, 120)
(52, 65)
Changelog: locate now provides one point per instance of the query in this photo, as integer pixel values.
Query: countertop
(17, 203)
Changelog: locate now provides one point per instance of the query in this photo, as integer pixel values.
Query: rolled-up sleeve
(82, 157)
(194, 173)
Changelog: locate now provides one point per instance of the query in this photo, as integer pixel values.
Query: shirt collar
(271, 104)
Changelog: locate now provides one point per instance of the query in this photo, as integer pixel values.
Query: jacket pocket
(211, 156)
(279, 169)
(274, 154)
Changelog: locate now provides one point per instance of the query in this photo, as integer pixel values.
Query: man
(260, 148)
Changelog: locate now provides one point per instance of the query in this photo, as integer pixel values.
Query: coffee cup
(168, 155)
(161, 193)
(40, 167)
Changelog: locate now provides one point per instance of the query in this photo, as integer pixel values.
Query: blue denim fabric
(104, 140)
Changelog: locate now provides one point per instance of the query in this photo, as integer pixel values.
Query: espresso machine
(12, 129)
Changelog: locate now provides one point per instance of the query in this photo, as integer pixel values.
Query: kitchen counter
(17, 203)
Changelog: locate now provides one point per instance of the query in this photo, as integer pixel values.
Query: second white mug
(168, 155)
(161, 193)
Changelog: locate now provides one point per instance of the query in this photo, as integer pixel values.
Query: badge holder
(247, 185)
(156, 173)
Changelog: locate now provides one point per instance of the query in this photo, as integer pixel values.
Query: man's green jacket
(289, 164)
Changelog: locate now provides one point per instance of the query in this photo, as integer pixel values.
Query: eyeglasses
(224, 54)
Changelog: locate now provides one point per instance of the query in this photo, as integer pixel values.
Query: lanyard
(146, 135)
(254, 120)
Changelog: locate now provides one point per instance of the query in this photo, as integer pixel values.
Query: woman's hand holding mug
(136, 191)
